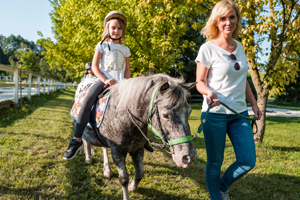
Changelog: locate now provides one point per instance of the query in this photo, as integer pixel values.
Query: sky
(25, 18)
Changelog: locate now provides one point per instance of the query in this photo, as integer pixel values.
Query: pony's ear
(164, 86)
(150, 84)
(188, 86)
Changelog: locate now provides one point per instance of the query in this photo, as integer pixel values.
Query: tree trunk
(262, 99)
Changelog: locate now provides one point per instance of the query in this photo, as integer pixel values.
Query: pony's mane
(132, 90)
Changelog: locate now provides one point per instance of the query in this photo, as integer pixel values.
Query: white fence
(41, 83)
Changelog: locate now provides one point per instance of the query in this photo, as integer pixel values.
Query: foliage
(16, 48)
(153, 32)
(9, 45)
(291, 92)
(33, 142)
(188, 58)
(27, 57)
(3, 57)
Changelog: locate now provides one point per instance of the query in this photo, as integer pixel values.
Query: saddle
(97, 111)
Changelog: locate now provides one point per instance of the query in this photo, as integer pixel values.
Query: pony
(158, 101)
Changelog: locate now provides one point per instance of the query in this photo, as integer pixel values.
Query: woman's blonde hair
(210, 30)
(106, 30)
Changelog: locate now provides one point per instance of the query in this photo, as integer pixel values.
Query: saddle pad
(100, 106)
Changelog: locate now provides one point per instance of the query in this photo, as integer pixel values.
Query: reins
(200, 128)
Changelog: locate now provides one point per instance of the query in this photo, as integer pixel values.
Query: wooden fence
(41, 83)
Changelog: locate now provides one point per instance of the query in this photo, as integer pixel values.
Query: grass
(34, 139)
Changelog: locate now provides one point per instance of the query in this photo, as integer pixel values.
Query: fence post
(29, 86)
(48, 86)
(55, 86)
(16, 88)
(44, 87)
(38, 85)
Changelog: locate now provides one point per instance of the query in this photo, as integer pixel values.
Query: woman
(222, 76)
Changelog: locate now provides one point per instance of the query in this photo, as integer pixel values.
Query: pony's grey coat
(122, 135)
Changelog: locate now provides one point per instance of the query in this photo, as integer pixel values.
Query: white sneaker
(224, 195)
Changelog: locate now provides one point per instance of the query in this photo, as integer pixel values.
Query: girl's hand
(110, 81)
(212, 97)
(257, 112)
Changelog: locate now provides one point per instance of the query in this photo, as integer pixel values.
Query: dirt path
(277, 112)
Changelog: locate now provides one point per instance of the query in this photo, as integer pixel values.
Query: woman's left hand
(257, 112)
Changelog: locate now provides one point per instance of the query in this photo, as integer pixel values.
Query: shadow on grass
(30, 193)
(282, 120)
(9, 116)
(158, 195)
(40, 136)
(267, 187)
(288, 149)
(84, 185)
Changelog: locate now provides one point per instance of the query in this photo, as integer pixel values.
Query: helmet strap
(108, 36)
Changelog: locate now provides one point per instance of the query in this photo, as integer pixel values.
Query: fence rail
(41, 83)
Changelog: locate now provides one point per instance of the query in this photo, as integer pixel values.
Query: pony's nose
(186, 159)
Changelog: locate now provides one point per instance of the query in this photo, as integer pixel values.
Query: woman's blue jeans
(240, 133)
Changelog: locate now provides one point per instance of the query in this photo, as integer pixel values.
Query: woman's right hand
(212, 97)
(110, 81)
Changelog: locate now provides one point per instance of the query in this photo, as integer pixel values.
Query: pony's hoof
(131, 186)
(107, 175)
(88, 161)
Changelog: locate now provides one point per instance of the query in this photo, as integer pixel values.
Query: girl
(113, 58)
(222, 76)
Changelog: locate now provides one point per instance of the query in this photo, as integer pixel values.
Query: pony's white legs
(87, 151)
(137, 159)
(106, 167)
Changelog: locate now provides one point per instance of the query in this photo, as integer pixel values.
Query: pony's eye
(165, 116)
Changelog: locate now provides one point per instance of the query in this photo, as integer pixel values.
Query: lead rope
(200, 129)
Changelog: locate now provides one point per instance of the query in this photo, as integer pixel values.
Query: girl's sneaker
(73, 148)
(224, 195)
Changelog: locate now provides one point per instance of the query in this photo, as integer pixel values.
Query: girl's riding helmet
(115, 15)
(88, 65)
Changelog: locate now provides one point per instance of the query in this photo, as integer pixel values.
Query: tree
(12, 43)
(27, 57)
(153, 32)
(282, 29)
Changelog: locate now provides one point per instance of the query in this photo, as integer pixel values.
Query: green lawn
(33, 141)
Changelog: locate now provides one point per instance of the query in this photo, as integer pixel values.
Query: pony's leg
(137, 159)
(106, 167)
(119, 160)
(87, 150)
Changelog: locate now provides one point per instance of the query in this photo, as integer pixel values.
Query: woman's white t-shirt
(113, 63)
(229, 84)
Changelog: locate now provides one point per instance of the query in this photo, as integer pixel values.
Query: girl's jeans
(240, 133)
